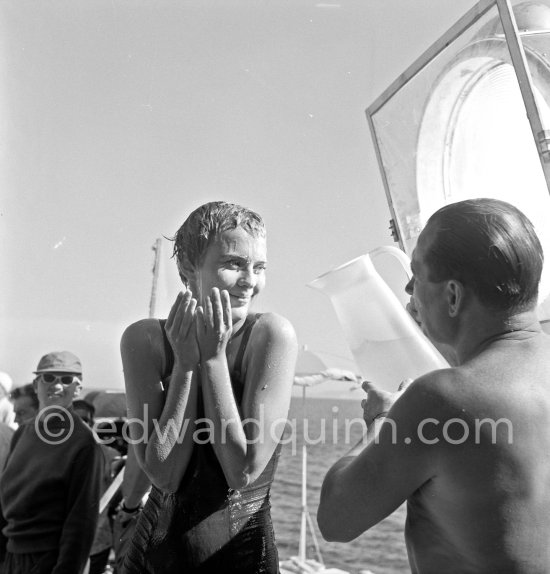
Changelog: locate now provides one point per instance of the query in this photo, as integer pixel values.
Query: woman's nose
(409, 287)
(247, 277)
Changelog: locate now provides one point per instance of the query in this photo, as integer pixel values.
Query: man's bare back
(485, 507)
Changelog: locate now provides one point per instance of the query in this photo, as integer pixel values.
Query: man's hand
(379, 402)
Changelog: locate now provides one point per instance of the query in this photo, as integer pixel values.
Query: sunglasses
(64, 379)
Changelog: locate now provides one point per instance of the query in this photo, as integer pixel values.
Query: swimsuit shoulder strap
(247, 329)
(237, 368)
(168, 352)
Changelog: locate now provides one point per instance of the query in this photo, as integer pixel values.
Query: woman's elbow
(166, 485)
(161, 474)
(166, 482)
(238, 480)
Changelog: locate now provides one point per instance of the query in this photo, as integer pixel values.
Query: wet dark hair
(204, 224)
(490, 246)
(26, 391)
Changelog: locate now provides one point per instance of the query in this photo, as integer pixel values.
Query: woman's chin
(239, 313)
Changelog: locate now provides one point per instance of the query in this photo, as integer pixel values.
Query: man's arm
(380, 473)
(3, 521)
(80, 524)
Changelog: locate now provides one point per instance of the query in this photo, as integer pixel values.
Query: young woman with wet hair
(210, 387)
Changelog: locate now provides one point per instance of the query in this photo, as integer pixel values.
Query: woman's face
(235, 261)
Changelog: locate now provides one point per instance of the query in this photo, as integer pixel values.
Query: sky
(119, 117)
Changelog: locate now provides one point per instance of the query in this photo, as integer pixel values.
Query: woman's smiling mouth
(241, 299)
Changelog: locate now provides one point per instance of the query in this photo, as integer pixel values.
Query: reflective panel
(455, 127)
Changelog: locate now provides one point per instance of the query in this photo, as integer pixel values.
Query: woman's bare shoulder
(274, 326)
(145, 334)
(142, 348)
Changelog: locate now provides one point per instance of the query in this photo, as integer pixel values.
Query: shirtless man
(466, 447)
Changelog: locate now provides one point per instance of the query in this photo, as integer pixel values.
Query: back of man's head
(489, 246)
(85, 410)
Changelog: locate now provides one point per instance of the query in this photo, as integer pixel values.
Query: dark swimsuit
(206, 527)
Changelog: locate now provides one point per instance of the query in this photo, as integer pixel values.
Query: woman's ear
(455, 297)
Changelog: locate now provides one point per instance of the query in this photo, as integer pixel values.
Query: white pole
(303, 527)
(156, 266)
(111, 491)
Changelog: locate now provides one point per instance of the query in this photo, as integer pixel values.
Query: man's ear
(77, 390)
(455, 297)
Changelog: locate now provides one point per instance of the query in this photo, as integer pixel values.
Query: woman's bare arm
(244, 443)
(161, 423)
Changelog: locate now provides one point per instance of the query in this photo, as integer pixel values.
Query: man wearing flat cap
(49, 491)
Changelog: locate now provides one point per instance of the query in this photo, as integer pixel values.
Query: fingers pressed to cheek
(190, 310)
(217, 308)
(184, 303)
(226, 302)
(208, 319)
(179, 315)
(174, 309)
(200, 318)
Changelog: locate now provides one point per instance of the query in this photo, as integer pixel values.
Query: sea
(331, 427)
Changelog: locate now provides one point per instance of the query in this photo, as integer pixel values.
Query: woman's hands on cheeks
(214, 324)
(199, 333)
(181, 331)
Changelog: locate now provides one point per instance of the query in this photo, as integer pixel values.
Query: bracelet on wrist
(134, 510)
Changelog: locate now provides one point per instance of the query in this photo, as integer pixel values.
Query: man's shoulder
(6, 431)
(83, 447)
(26, 428)
(440, 383)
(82, 434)
(443, 392)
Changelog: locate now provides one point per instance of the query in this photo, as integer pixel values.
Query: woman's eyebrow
(230, 256)
(234, 256)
